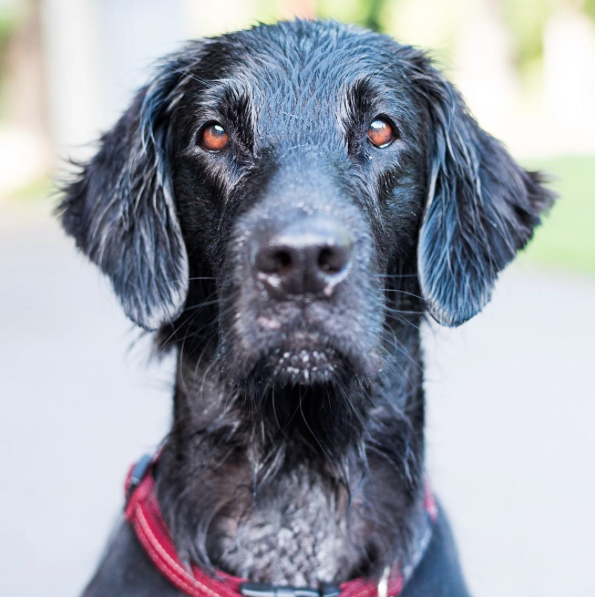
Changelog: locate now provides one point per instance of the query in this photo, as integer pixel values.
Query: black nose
(310, 257)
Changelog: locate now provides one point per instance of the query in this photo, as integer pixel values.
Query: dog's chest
(298, 537)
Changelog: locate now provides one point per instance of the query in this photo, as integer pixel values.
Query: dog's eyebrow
(359, 96)
(365, 98)
(221, 95)
(366, 93)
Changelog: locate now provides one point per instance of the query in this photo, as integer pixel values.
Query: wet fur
(276, 469)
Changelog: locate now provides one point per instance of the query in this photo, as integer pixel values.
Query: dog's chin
(307, 360)
(293, 366)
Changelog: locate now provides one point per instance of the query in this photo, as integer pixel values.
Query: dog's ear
(481, 205)
(121, 211)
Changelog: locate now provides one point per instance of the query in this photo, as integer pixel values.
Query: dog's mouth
(307, 359)
(305, 366)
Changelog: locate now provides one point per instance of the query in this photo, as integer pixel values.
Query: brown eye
(381, 133)
(213, 137)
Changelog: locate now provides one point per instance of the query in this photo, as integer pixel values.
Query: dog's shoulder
(126, 570)
(439, 573)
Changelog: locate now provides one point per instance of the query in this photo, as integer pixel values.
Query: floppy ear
(121, 211)
(481, 206)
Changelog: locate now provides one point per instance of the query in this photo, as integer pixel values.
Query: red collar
(144, 514)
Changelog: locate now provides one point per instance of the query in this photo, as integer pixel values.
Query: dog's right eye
(381, 133)
(213, 137)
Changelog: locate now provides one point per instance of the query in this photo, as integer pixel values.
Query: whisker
(404, 292)
(346, 396)
(207, 303)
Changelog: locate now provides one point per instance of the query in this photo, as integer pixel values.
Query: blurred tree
(589, 6)
(373, 20)
(367, 13)
(21, 79)
(10, 15)
(526, 21)
(10, 18)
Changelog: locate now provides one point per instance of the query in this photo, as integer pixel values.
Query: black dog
(284, 205)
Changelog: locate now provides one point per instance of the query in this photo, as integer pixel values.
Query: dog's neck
(297, 486)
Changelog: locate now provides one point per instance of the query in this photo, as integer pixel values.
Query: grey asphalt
(511, 440)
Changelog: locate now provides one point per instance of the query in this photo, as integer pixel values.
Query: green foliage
(361, 12)
(526, 21)
(373, 18)
(9, 19)
(567, 238)
(36, 191)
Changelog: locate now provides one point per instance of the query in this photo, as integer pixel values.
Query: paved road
(510, 435)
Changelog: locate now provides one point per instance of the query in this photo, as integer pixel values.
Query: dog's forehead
(305, 54)
(296, 76)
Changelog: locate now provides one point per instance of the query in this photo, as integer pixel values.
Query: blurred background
(511, 446)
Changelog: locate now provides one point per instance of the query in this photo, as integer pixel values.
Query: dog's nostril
(332, 260)
(273, 261)
(283, 260)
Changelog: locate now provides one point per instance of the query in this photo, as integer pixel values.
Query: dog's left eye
(381, 133)
(213, 137)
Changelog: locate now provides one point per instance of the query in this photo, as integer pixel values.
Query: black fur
(296, 451)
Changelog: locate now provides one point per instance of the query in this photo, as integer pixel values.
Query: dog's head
(296, 183)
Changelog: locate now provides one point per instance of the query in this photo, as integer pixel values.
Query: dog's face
(297, 175)
(295, 181)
